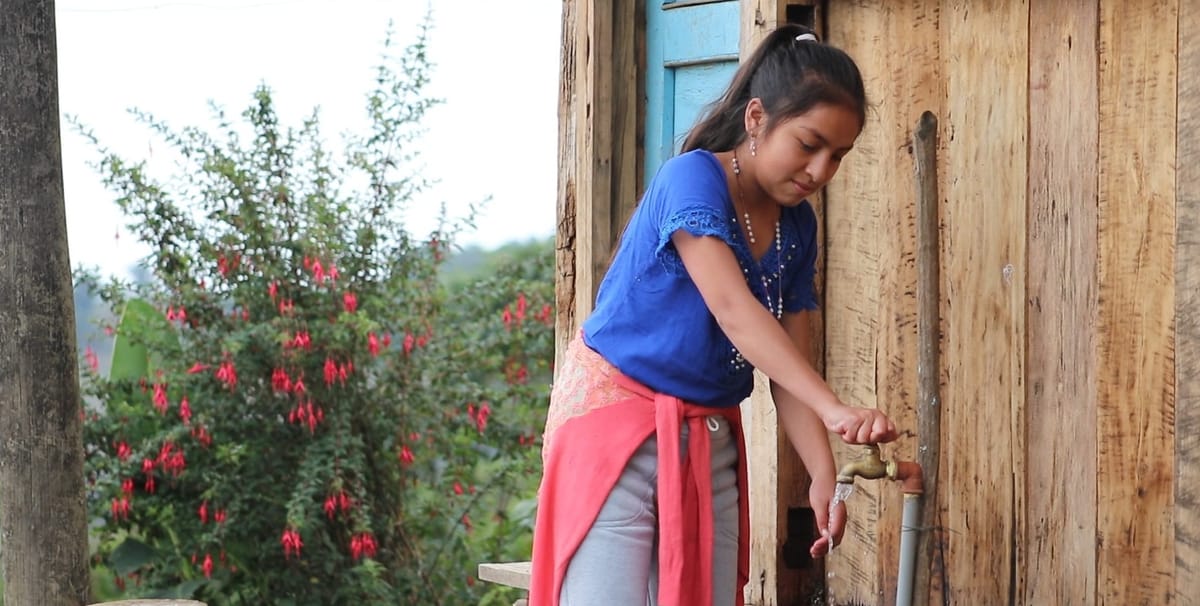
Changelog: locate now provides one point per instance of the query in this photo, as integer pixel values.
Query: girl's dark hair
(790, 76)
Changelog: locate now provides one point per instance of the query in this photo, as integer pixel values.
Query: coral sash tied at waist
(583, 461)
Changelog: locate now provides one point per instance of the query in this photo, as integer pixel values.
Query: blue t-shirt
(650, 320)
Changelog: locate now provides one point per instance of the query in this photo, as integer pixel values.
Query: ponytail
(790, 72)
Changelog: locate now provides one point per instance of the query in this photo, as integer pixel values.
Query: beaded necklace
(777, 309)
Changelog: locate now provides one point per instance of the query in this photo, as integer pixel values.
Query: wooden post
(598, 117)
(42, 513)
(929, 406)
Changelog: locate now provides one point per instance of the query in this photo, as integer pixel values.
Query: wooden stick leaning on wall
(929, 414)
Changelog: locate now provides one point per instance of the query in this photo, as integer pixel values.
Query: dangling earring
(753, 146)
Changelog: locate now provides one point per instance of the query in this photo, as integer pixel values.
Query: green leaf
(131, 555)
(140, 324)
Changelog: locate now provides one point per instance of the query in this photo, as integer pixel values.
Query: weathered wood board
(1136, 370)
(1060, 387)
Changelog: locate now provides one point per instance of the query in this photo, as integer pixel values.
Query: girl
(644, 486)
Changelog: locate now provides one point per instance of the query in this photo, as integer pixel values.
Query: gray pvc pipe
(909, 528)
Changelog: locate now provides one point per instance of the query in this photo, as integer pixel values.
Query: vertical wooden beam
(1060, 387)
(566, 322)
(870, 297)
(985, 48)
(1136, 396)
(1187, 311)
(598, 149)
(772, 466)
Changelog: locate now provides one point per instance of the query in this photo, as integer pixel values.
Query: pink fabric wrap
(584, 454)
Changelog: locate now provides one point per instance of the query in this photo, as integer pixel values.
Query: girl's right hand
(860, 425)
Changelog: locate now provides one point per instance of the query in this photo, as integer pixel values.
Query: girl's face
(802, 153)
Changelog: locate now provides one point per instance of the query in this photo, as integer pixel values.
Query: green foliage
(299, 410)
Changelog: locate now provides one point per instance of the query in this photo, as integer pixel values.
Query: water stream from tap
(840, 494)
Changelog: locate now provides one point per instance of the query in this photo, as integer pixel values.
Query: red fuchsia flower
(349, 302)
(373, 344)
(185, 411)
(93, 361)
(160, 398)
(409, 341)
(507, 317)
(458, 489)
(406, 456)
(207, 566)
(545, 314)
(123, 451)
(222, 265)
(422, 340)
(307, 414)
(307, 262)
(147, 466)
(332, 272)
(481, 420)
(273, 290)
(387, 341)
(344, 371)
(521, 303)
(286, 307)
(202, 436)
(120, 508)
(298, 387)
(330, 506)
(302, 340)
(318, 272)
(197, 368)
(227, 374)
(466, 522)
(202, 512)
(219, 518)
(177, 463)
(149, 485)
(291, 543)
(331, 371)
(127, 486)
(344, 501)
(362, 545)
(280, 381)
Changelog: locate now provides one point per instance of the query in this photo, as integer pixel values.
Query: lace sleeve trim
(698, 221)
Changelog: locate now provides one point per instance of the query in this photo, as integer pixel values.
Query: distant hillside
(473, 262)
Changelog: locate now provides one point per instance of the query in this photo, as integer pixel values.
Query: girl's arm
(808, 437)
(764, 343)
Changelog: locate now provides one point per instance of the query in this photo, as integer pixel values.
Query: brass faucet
(869, 466)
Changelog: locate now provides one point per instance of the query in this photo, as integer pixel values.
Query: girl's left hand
(830, 527)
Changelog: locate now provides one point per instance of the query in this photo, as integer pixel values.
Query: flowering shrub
(298, 410)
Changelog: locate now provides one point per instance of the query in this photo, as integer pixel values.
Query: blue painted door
(691, 55)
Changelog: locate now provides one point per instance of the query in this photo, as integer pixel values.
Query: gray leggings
(617, 563)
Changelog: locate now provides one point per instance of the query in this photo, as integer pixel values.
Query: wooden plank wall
(1061, 312)
(1187, 311)
(1064, 478)
(870, 297)
(1137, 302)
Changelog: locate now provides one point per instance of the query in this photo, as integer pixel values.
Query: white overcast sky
(496, 67)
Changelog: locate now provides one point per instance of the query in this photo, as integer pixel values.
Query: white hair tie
(803, 37)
